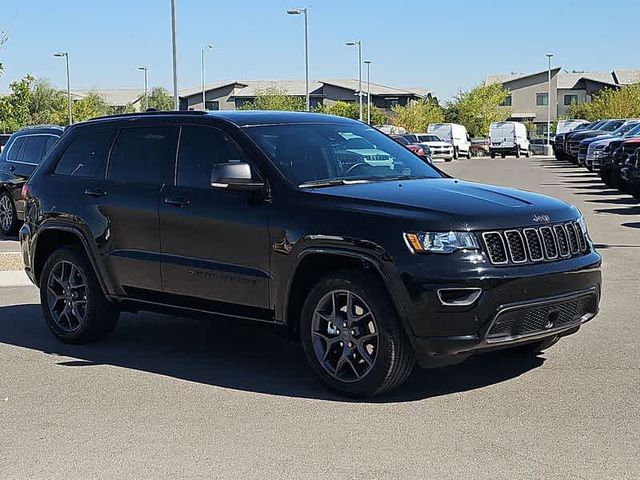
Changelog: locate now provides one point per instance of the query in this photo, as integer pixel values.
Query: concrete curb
(14, 278)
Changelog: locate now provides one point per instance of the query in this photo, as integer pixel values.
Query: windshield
(429, 138)
(633, 132)
(625, 128)
(400, 140)
(611, 125)
(316, 153)
(595, 125)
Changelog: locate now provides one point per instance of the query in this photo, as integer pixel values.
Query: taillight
(26, 191)
(420, 152)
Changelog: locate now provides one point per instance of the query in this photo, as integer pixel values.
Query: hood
(444, 203)
(585, 134)
(597, 138)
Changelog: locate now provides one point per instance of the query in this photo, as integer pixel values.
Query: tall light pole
(303, 11)
(69, 105)
(549, 56)
(145, 69)
(202, 70)
(368, 64)
(359, 44)
(176, 101)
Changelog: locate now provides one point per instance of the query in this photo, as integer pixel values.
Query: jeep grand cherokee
(374, 265)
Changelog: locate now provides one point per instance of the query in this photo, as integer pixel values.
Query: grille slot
(495, 247)
(516, 246)
(534, 244)
(550, 243)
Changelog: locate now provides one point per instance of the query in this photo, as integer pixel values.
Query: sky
(444, 46)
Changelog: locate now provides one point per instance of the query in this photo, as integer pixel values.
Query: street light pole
(359, 44)
(146, 86)
(368, 64)
(202, 71)
(303, 11)
(69, 104)
(176, 101)
(549, 56)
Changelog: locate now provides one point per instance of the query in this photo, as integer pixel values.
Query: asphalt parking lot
(166, 397)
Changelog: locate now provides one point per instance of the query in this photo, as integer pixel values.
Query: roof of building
(569, 80)
(116, 97)
(626, 76)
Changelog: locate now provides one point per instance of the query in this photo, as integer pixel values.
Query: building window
(212, 105)
(542, 99)
(389, 103)
(541, 129)
(569, 99)
(507, 102)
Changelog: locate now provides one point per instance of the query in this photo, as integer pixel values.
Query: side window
(34, 149)
(140, 155)
(51, 141)
(200, 148)
(86, 155)
(15, 149)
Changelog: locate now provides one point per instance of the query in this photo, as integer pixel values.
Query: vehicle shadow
(235, 355)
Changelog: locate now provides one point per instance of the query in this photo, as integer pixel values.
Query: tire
(492, 155)
(468, 154)
(455, 153)
(343, 369)
(68, 277)
(9, 223)
(518, 152)
(503, 155)
(527, 154)
(533, 348)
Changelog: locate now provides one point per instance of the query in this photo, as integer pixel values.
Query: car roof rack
(150, 113)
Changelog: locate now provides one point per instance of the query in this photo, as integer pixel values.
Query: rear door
(215, 241)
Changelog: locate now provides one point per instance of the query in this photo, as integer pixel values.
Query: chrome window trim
(506, 255)
(10, 146)
(524, 249)
(539, 235)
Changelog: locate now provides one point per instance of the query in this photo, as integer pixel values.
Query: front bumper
(447, 334)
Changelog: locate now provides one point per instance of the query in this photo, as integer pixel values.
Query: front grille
(535, 244)
(529, 320)
(583, 150)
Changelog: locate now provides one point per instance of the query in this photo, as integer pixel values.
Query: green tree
(275, 98)
(478, 107)
(352, 110)
(91, 106)
(417, 115)
(609, 103)
(159, 99)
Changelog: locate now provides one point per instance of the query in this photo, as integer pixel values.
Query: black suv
(254, 215)
(23, 152)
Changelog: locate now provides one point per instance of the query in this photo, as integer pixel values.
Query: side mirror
(234, 176)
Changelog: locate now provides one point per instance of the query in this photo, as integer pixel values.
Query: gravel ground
(11, 261)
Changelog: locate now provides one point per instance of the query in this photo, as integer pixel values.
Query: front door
(215, 242)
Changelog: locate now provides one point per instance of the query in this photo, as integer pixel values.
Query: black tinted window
(139, 155)
(15, 150)
(51, 141)
(34, 149)
(86, 155)
(200, 148)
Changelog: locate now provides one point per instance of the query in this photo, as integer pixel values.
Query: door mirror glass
(235, 175)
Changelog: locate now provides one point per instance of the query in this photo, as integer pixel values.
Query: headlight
(441, 242)
(583, 224)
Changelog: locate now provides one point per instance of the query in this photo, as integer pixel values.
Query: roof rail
(151, 113)
(44, 125)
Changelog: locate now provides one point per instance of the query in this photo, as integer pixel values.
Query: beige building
(528, 93)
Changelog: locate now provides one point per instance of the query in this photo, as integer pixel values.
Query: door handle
(12, 168)
(95, 192)
(177, 201)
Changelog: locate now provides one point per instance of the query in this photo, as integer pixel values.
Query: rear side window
(34, 149)
(15, 150)
(86, 155)
(140, 155)
(200, 148)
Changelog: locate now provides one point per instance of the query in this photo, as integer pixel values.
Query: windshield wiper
(398, 177)
(331, 183)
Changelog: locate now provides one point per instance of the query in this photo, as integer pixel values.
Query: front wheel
(518, 152)
(352, 336)
(73, 305)
(455, 153)
(8, 217)
(468, 154)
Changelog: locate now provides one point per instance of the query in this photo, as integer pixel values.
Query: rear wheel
(503, 155)
(73, 305)
(352, 336)
(9, 222)
(492, 155)
(455, 153)
(468, 154)
(518, 152)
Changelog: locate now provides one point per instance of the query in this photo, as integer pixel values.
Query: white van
(456, 135)
(508, 138)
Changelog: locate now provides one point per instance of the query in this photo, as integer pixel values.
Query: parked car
(438, 147)
(456, 135)
(421, 150)
(630, 173)
(573, 139)
(4, 138)
(585, 143)
(373, 266)
(480, 147)
(613, 159)
(560, 147)
(508, 138)
(352, 150)
(391, 129)
(598, 147)
(23, 153)
(624, 158)
(537, 146)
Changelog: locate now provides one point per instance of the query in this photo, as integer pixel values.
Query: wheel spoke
(362, 351)
(353, 367)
